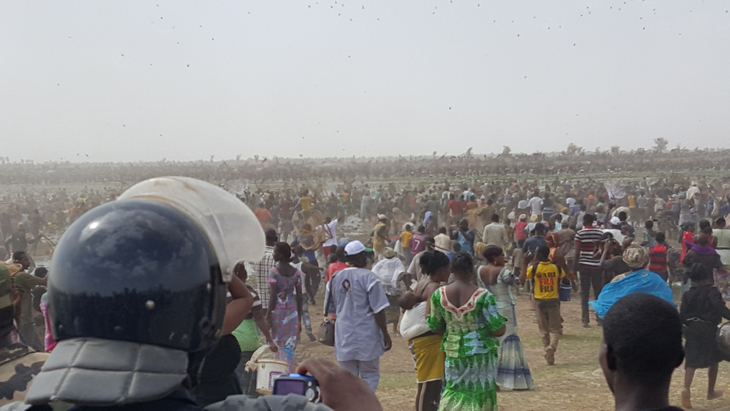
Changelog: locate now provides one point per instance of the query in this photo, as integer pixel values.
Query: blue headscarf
(641, 281)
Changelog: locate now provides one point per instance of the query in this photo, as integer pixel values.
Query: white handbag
(413, 323)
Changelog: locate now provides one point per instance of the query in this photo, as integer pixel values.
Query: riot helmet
(140, 271)
(137, 291)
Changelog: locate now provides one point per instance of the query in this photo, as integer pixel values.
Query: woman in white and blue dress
(513, 372)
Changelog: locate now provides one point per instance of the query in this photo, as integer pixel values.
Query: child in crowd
(405, 239)
(649, 234)
(517, 257)
(338, 264)
(547, 277)
(701, 312)
(331, 257)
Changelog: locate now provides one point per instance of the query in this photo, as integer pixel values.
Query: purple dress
(285, 318)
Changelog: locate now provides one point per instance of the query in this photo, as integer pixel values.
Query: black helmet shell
(136, 270)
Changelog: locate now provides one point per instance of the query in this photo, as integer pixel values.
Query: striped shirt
(588, 238)
(658, 259)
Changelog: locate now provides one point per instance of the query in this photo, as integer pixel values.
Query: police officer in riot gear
(136, 299)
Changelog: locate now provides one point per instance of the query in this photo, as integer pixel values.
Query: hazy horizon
(142, 81)
(260, 159)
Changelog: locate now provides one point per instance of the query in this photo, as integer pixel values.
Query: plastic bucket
(564, 291)
(269, 370)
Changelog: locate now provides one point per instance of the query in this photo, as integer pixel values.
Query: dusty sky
(146, 80)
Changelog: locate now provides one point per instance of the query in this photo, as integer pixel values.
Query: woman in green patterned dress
(471, 323)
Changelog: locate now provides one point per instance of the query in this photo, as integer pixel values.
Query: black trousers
(589, 276)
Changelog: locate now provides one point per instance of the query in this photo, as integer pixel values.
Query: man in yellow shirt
(405, 239)
(547, 278)
(631, 200)
(306, 202)
(380, 236)
(633, 211)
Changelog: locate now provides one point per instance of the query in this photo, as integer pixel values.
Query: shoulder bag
(326, 333)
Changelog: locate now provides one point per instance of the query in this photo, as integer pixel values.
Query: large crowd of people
(443, 263)
(570, 162)
(49, 196)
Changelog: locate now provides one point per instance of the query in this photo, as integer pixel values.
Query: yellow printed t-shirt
(547, 279)
(306, 203)
(405, 238)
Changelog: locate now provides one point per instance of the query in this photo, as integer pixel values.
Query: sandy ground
(575, 382)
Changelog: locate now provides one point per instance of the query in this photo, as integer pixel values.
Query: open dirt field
(575, 382)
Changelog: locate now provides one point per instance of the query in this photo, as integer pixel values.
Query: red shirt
(454, 206)
(658, 259)
(686, 236)
(263, 215)
(335, 267)
(520, 230)
(285, 210)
